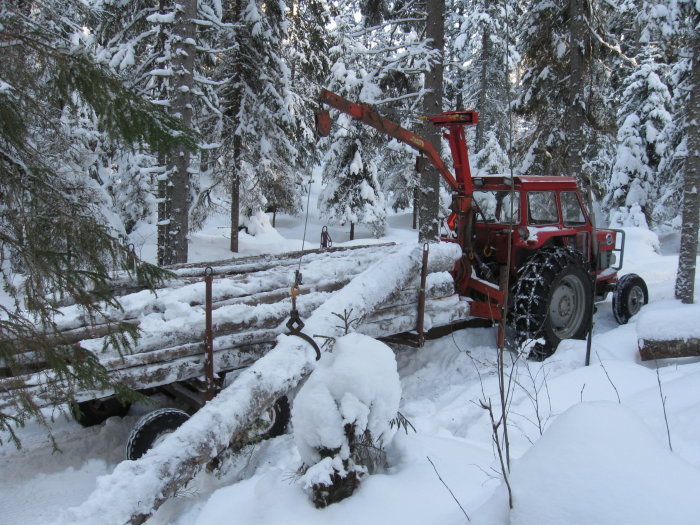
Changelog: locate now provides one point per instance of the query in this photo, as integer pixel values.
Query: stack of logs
(251, 305)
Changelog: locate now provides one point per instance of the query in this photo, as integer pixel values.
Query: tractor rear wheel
(551, 300)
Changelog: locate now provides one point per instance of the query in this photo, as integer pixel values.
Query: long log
(652, 349)
(266, 285)
(314, 282)
(137, 488)
(187, 273)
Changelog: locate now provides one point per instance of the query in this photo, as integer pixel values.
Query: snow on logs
(137, 488)
(250, 311)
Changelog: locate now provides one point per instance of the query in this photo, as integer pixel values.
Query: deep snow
(589, 444)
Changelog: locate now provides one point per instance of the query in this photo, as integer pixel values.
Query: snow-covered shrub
(631, 216)
(341, 416)
(257, 224)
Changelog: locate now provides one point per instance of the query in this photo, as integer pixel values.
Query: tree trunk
(164, 198)
(432, 104)
(174, 188)
(235, 209)
(416, 204)
(484, 88)
(232, 116)
(649, 349)
(685, 279)
(576, 114)
(352, 231)
(164, 214)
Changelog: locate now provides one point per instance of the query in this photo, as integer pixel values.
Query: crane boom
(365, 114)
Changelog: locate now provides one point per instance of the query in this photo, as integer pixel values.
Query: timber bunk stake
(209, 336)
(326, 241)
(295, 324)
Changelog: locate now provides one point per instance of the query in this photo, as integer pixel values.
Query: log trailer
(532, 259)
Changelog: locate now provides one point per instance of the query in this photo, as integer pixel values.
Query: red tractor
(531, 253)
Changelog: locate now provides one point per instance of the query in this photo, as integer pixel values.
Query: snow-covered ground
(589, 445)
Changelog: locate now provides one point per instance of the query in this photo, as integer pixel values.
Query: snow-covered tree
(353, 194)
(564, 93)
(56, 239)
(490, 158)
(477, 71)
(377, 59)
(342, 417)
(643, 118)
(163, 51)
(263, 128)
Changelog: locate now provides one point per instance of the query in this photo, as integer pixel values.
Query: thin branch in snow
(610, 380)
(663, 404)
(448, 488)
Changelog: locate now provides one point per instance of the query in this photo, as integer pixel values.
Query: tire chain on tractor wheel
(531, 294)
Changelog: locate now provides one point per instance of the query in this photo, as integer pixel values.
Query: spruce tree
(164, 52)
(264, 129)
(565, 87)
(643, 117)
(377, 59)
(55, 241)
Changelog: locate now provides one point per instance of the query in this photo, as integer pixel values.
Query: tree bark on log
(650, 349)
(137, 488)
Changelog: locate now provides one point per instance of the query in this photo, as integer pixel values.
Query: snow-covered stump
(137, 488)
(342, 417)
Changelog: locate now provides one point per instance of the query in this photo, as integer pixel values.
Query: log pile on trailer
(251, 303)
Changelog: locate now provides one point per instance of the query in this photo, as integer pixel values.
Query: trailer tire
(629, 296)
(552, 300)
(95, 411)
(151, 429)
(272, 423)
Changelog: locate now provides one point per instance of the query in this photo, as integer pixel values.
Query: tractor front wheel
(630, 295)
(552, 300)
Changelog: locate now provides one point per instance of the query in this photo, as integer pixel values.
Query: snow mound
(356, 384)
(641, 244)
(259, 224)
(599, 464)
(667, 320)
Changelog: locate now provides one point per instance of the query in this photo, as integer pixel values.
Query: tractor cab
(536, 212)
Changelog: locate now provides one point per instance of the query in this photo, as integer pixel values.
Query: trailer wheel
(272, 423)
(95, 411)
(151, 429)
(552, 300)
(630, 295)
